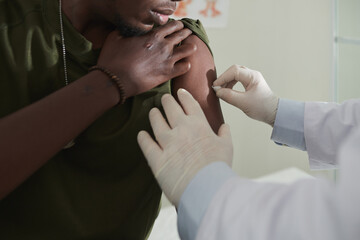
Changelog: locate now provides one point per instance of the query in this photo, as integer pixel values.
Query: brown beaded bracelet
(113, 77)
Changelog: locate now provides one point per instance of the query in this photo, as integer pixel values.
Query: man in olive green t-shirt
(100, 187)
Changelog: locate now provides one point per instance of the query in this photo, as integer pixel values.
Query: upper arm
(198, 81)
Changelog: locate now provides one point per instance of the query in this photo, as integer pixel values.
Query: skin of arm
(198, 81)
(34, 134)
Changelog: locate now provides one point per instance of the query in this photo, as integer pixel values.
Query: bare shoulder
(198, 81)
(203, 50)
(202, 72)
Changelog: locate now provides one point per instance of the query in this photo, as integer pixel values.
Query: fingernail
(165, 96)
(216, 88)
(183, 90)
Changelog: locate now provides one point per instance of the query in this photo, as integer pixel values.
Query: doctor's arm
(187, 152)
(316, 127)
(307, 209)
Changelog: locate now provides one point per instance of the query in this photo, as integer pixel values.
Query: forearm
(32, 135)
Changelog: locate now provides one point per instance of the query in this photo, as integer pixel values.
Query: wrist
(273, 107)
(192, 173)
(99, 85)
(113, 80)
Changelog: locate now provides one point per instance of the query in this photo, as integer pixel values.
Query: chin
(128, 30)
(131, 31)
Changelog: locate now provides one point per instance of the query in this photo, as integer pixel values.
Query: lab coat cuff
(289, 124)
(198, 195)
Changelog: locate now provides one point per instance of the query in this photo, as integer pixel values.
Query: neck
(86, 21)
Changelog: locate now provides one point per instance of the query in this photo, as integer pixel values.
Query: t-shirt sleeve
(198, 29)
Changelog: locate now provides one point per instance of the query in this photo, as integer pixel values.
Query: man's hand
(185, 143)
(146, 61)
(258, 101)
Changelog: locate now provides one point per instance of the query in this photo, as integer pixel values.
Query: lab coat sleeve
(289, 124)
(197, 196)
(306, 209)
(316, 127)
(326, 125)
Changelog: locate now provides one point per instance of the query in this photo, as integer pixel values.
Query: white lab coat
(307, 209)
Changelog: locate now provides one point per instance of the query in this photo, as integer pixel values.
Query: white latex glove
(258, 101)
(184, 145)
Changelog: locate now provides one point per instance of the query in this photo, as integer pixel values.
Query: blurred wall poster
(212, 13)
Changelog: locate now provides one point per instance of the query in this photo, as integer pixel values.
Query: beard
(126, 29)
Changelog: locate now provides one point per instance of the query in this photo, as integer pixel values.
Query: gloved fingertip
(219, 81)
(153, 111)
(216, 88)
(166, 95)
(166, 98)
(141, 134)
(220, 92)
(140, 137)
(182, 90)
(185, 96)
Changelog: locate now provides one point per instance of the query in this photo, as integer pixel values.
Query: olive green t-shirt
(102, 188)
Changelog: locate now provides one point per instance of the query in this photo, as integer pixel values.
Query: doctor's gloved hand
(184, 144)
(258, 101)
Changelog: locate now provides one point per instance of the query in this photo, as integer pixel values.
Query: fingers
(172, 109)
(235, 72)
(179, 36)
(189, 104)
(232, 97)
(168, 28)
(183, 51)
(229, 85)
(158, 123)
(226, 77)
(181, 65)
(175, 113)
(180, 68)
(150, 148)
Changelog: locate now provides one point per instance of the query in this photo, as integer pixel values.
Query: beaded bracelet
(113, 77)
